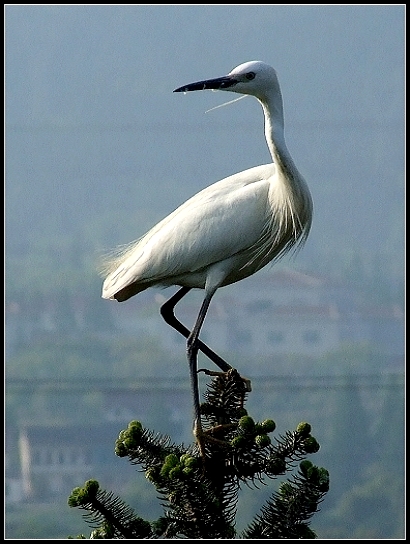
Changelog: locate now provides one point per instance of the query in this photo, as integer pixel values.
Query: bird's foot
(223, 418)
(202, 437)
(199, 437)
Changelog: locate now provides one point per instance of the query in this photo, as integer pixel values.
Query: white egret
(226, 232)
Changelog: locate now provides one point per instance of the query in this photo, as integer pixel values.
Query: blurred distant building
(273, 313)
(280, 313)
(56, 458)
(47, 460)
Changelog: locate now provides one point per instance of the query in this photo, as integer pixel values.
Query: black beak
(217, 83)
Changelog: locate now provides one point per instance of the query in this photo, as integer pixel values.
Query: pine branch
(145, 448)
(117, 520)
(285, 515)
(200, 495)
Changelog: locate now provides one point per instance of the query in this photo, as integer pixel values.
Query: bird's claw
(202, 436)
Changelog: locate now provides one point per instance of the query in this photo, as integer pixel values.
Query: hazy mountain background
(98, 148)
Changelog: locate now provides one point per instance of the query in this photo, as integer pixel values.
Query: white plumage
(227, 227)
(229, 230)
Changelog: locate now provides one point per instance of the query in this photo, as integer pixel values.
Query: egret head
(255, 78)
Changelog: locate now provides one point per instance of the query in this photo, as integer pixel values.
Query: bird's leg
(192, 353)
(167, 312)
(193, 345)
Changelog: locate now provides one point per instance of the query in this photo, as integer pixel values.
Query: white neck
(275, 136)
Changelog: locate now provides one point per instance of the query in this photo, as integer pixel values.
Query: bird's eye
(250, 75)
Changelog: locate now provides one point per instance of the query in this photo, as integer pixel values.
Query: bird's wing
(222, 220)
